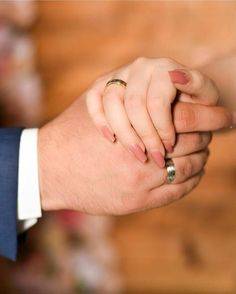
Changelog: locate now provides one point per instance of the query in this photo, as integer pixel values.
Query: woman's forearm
(223, 72)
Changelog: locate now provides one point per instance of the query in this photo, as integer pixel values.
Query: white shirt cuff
(28, 202)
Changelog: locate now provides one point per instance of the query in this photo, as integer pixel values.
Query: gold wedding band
(170, 168)
(116, 82)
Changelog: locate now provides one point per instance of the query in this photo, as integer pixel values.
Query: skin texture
(140, 115)
(80, 170)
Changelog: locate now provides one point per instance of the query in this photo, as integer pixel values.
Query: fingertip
(168, 146)
(169, 139)
(158, 158)
(138, 153)
(108, 134)
(179, 77)
(142, 146)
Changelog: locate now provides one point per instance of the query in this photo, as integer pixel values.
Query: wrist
(48, 165)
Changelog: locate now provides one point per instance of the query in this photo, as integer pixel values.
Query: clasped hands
(165, 111)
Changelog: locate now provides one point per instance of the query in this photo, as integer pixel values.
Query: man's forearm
(223, 72)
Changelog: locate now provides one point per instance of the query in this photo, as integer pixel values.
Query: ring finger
(117, 118)
(188, 166)
(185, 168)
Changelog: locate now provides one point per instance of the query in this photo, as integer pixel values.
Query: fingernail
(108, 134)
(158, 158)
(169, 148)
(138, 152)
(179, 77)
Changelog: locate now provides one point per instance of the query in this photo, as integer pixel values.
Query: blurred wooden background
(190, 246)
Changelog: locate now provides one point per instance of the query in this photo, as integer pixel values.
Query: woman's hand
(140, 115)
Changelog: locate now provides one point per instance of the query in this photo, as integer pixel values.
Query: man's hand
(81, 171)
(190, 117)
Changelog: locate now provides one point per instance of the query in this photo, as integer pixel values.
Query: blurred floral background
(50, 51)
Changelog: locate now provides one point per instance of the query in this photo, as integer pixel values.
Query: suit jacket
(9, 155)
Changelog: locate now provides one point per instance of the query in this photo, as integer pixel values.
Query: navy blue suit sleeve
(9, 156)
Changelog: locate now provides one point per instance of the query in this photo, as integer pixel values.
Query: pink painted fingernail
(138, 152)
(169, 148)
(108, 134)
(158, 158)
(179, 77)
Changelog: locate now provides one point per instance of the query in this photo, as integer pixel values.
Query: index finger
(189, 117)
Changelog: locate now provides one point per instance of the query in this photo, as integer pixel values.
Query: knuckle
(133, 178)
(186, 117)
(152, 143)
(90, 94)
(140, 60)
(187, 168)
(154, 103)
(164, 101)
(166, 61)
(149, 137)
(135, 100)
(198, 140)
